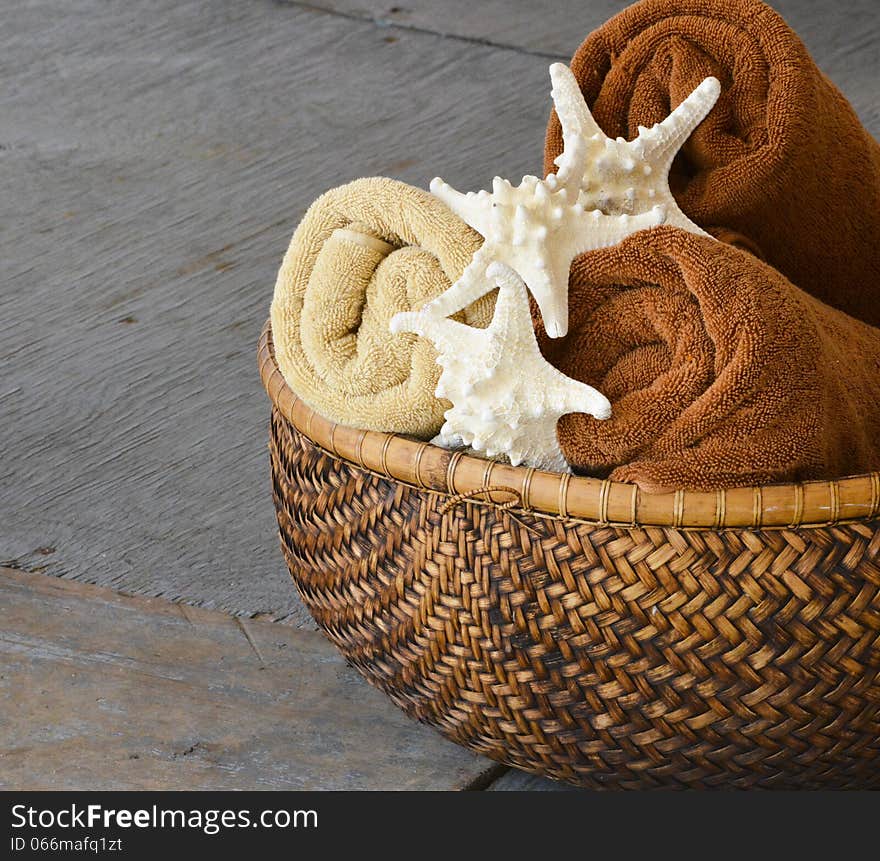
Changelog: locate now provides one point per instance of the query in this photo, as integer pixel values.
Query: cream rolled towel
(362, 253)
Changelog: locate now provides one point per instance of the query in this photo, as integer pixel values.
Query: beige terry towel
(362, 253)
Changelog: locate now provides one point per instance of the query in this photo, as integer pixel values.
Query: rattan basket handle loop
(384, 457)
(417, 466)
(484, 494)
(678, 509)
(720, 509)
(450, 470)
(359, 449)
(527, 488)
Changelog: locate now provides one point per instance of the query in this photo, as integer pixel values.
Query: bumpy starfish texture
(619, 176)
(506, 398)
(537, 228)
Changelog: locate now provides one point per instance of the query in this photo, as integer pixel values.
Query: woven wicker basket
(583, 629)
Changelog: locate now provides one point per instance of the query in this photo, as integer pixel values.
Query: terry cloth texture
(362, 253)
(720, 372)
(782, 158)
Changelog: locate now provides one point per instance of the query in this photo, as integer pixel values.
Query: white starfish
(604, 190)
(625, 176)
(506, 398)
(537, 228)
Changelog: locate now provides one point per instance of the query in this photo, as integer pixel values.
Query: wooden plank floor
(846, 44)
(103, 691)
(154, 160)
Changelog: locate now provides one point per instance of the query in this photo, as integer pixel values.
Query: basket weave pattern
(606, 656)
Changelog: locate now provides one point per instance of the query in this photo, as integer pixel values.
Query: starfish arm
(676, 218)
(472, 285)
(580, 398)
(414, 322)
(571, 164)
(448, 440)
(455, 200)
(571, 108)
(549, 286)
(449, 337)
(546, 278)
(661, 142)
(600, 231)
(471, 208)
(554, 463)
(506, 398)
(512, 312)
(577, 125)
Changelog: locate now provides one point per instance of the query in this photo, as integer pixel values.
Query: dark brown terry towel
(782, 158)
(720, 372)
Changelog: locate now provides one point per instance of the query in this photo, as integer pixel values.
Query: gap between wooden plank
(151, 192)
(391, 24)
(104, 691)
(484, 781)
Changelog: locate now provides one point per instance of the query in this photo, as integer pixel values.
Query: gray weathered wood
(154, 160)
(552, 30)
(843, 38)
(101, 691)
(519, 781)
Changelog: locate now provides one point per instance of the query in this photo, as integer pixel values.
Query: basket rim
(461, 477)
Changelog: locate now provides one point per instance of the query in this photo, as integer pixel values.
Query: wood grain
(551, 30)
(845, 44)
(101, 691)
(155, 160)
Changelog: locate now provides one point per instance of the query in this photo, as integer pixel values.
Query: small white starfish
(624, 176)
(506, 398)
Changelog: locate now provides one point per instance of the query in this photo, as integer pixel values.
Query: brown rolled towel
(720, 372)
(781, 159)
